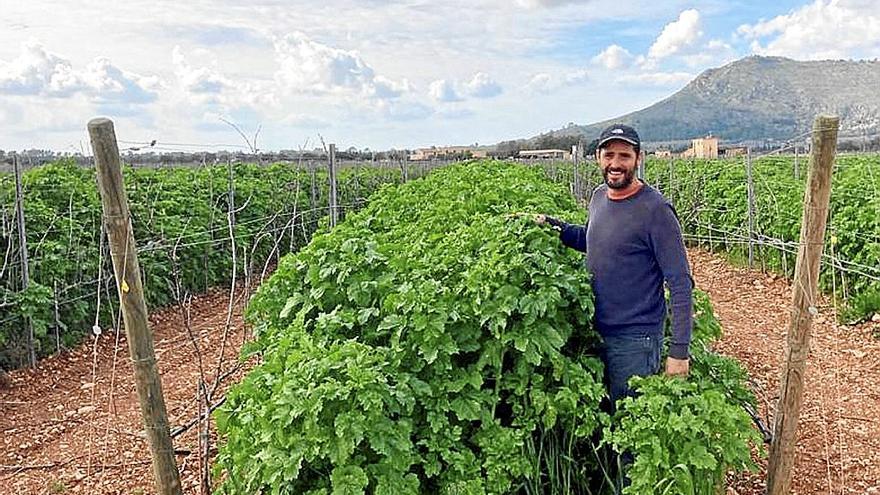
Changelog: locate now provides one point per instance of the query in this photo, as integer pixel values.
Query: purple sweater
(632, 246)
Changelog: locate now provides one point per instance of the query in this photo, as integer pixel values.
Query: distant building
(729, 151)
(549, 154)
(663, 153)
(706, 147)
(446, 153)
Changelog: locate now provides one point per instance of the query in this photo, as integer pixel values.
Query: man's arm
(573, 236)
(668, 246)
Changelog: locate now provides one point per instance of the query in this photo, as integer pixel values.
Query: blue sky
(379, 74)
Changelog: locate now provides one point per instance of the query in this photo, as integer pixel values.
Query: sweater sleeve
(574, 236)
(669, 251)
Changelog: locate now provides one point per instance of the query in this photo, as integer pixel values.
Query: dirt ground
(73, 424)
(838, 447)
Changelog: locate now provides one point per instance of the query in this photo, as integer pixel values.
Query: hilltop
(758, 98)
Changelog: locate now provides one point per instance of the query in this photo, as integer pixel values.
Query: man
(633, 243)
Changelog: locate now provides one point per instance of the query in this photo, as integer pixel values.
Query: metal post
(123, 250)
(23, 254)
(334, 212)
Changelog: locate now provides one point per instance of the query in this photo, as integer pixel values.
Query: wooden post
(797, 173)
(403, 162)
(314, 190)
(23, 254)
(750, 193)
(575, 174)
(669, 191)
(640, 171)
(334, 212)
(230, 192)
(57, 318)
(134, 311)
(806, 278)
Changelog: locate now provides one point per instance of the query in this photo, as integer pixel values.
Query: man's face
(618, 161)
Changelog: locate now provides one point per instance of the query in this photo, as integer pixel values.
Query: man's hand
(677, 367)
(542, 219)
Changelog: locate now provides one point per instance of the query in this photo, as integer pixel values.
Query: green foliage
(435, 343)
(685, 435)
(466, 327)
(179, 217)
(711, 199)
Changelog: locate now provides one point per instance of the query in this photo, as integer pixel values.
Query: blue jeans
(626, 356)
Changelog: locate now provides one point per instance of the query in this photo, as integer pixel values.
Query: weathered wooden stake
(334, 212)
(806, 278)
(23, 252)
(134, 311)
(750, 193)
(576, 174)
(640, 171)
(57, 318)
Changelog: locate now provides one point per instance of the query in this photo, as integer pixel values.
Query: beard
(619, 182)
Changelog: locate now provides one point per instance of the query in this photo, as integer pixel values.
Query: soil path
(64, 432)
(73, 425)
(838, 449)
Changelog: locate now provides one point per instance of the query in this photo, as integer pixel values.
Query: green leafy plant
(684, 435)
(711, 198)
(437, 342)
(472, 325)
(179, 216)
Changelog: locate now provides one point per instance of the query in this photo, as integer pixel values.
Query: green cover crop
(436, 343)
(179, 216)
(711, 199)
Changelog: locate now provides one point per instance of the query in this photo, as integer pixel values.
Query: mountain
(758, 98)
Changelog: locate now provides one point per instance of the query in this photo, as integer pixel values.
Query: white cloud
(614, 57)
(198, 80)
(443, 90)
(576, 77)
(37, 72)
(303, 121)
(482, 86)
(10, 114)
(535, 4)
(540, 83)
(677, 35)
(714, 53)
(821, 30)
(384, 88)
(107, 83)
(307, 66)
(544, 83)
(657, 78)
(401, 110)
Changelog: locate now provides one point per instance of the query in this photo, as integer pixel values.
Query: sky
(199, 74)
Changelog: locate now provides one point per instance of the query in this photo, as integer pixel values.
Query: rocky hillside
(760, 98)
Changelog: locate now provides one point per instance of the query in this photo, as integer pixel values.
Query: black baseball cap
(621, 132)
